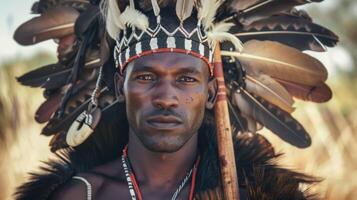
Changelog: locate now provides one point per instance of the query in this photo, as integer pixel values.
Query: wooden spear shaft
(224, 134)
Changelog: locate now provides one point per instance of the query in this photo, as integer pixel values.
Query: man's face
(166, 95)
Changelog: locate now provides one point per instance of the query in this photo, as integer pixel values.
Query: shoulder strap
(88, 185)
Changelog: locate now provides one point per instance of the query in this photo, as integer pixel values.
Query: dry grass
(332, 154)
(332, 126)
(21, 146)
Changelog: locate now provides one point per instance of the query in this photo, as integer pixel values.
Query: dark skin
(165, 95)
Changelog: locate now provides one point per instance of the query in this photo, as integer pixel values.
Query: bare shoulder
(77, 187)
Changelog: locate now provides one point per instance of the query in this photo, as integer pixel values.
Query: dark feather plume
(43, 5)
(75, 105)
(317, 94)
(48, 108)
(50, 76)
(86, 19)
(294, 31)
(58, 22)
(249, 11)
(278, 121)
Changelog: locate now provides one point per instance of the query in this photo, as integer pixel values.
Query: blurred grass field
(332, 126)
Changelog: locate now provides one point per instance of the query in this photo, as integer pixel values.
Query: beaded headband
(191, 31)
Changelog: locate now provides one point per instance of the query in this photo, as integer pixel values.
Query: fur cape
(259, 175)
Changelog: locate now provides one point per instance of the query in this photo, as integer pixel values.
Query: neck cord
(134, 187)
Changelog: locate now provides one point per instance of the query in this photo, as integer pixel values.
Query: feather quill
(280, 61)
(279, 122)
(317, 94)
(155, 7)
(57, 22)
(269, 89)
(184, 9)
(132, 4)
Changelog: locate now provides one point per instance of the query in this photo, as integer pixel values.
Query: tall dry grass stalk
(21, 146)
(332, 126)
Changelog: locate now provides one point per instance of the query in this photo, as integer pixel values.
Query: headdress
(261, 42)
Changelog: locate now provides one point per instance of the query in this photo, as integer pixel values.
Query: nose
(165, 96)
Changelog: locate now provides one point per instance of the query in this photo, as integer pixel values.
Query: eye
(145, 77)
(187, 79)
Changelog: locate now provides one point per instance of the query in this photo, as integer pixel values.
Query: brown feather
(86, 19)
(297, 32)
(252, 10)
(48, 108)
(51, 76)
(66, 47)
(75, 105)
(57, 22)
(44, 5)
(280, 61)
(317, 94)
(251, 124)
(278, 121)
(269, 89)
(58, 141)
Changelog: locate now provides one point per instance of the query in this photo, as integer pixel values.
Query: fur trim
(259, 176)
(53, 174)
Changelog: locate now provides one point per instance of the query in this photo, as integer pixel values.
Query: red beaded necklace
(134, 187)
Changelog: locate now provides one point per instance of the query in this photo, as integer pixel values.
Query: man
(166, 95)
(158, 139)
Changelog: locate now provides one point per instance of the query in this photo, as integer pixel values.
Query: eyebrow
(191, 70)
(143, 68)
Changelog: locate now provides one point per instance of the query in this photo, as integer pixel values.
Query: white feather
(207, 12)
(214, 37)
(132, 4)
(184, 9)
(113, 20)
(222, 27)
(155, 7)
(134, 18)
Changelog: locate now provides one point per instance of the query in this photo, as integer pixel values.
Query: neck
(161, 169)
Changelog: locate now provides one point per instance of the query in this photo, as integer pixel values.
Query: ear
(212, 93)
(118, 86)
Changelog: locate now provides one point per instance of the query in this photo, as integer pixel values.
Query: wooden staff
(224, 134)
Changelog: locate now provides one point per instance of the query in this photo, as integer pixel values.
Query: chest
(116, 191)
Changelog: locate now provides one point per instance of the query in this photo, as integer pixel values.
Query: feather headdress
(261, 41)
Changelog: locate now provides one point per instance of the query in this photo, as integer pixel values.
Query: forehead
(169, 61)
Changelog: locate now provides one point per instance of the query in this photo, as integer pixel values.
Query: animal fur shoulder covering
(259, 175)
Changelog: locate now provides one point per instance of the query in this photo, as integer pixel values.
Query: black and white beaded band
(168, 44)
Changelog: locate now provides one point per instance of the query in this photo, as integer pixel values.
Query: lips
(164, 122)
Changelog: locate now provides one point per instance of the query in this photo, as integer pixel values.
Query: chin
(164, 143)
